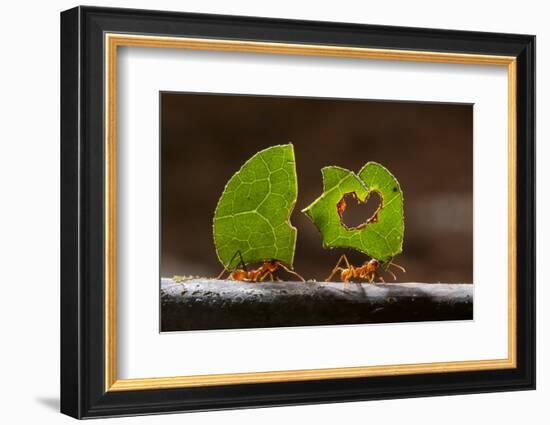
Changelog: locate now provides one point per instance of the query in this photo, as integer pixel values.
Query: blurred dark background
(205, 138)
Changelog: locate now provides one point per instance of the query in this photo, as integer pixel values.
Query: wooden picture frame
(90, 38)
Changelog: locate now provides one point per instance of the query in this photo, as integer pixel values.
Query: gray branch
(221, 304)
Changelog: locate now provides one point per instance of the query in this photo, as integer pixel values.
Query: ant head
(374, 263)
(272, 265)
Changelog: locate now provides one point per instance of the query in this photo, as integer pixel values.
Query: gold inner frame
(113, 41)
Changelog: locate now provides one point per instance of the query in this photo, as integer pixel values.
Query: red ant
(256, 275)
(364, 272)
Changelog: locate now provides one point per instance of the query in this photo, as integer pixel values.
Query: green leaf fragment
(382, 238)
(253, 213)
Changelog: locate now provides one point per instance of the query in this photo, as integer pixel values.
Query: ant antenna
(391, 273)
(398, 266)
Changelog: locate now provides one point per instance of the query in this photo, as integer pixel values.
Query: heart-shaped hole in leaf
(382, 240)
(355, 214)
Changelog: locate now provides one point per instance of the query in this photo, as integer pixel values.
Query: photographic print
(296, 211)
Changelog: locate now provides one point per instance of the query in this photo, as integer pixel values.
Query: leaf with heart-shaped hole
(381, 234)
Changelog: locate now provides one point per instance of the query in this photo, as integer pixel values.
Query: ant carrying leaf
(260, 274)
(379, 236)
(252, 218)
(366, 272)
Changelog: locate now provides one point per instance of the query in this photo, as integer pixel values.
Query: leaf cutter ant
(365, 272)
(263, 272)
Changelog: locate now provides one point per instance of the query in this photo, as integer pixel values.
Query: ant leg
(291, 271)
(265, 276)
(346, 260)
(241, 263)
(337, 266)
(398, 266)
(222, 273)
(336, 269)
(232, 258)
(381, 279)
(230, 261)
